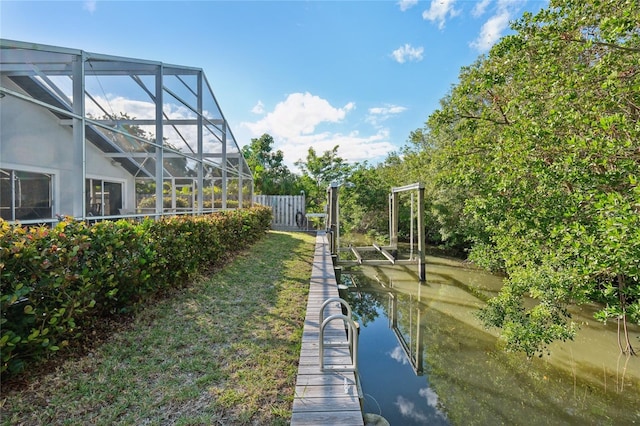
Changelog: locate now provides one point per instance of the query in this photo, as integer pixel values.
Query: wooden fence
(288, 210)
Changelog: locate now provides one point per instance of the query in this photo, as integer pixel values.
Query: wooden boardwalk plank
(340, 402)
(328, 360)
(312, 350)
(324, 379)
(342, 418)
(327, 391)
(324, 397)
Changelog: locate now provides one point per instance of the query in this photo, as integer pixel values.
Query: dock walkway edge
(324, 397)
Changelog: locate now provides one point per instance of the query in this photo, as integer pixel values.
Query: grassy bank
(222, 351)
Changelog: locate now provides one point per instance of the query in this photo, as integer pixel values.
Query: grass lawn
(224, 350)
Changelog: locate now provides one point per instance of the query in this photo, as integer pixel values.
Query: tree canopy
(537, 148)
(318, 172)
(270, 175)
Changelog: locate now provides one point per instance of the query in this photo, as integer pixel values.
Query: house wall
(32, 139)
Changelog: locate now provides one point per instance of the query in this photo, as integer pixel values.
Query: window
(25, 195)
(103, 198)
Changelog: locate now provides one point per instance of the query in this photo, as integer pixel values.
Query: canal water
(424, 358)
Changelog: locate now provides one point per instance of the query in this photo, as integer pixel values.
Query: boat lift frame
(333, 223)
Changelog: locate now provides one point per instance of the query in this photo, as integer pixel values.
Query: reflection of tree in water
(364, 304)
(478, 383)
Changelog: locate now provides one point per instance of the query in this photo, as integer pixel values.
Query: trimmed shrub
(55, 284)
(150, 202)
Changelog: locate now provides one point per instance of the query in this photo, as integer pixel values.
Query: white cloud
(439, 10)
(90, 5)
(480, 7)
(136, 108)
(408, 409)
(299, 114)
(430, 396)
(432, 400)
(119, 104)
(294, 124)
(379, 114)
(398, 354)
(491, 31)
(258, 108)
(494, 28)
(146, 110)
(407, 53)
(392, 109)
(407, 4)
(352, 146)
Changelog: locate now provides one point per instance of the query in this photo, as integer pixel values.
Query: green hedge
(150, 202)
(57, 283)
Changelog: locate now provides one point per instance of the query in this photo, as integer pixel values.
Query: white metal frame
(35, 69)
(334, 229)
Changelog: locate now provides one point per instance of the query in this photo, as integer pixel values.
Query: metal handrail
(342, 303)
(351, 341)
(352, 336)
(334, 299)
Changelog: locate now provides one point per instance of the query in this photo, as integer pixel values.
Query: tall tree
(318, 172)
(364, 203)
(271, 176)
(542, 137)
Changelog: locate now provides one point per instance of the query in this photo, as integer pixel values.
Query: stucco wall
(32, 139)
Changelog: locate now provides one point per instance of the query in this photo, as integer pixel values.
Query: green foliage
(533, 160)
(182, 203)
(270, 175)
(150, 202)
(317, 174)
(57, 283)
(364, 205)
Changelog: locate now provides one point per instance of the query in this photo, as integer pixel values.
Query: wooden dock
(324, 397)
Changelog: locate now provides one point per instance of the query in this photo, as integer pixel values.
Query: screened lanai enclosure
(96, 136)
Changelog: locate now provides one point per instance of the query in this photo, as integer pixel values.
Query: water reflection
(410, 340)
(424, 358)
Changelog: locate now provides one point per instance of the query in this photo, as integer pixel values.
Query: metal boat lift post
(333, 225)
(393, 222)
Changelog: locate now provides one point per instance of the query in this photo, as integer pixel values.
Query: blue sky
(358, 74)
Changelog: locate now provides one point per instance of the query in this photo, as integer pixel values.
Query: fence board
(286, 210)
